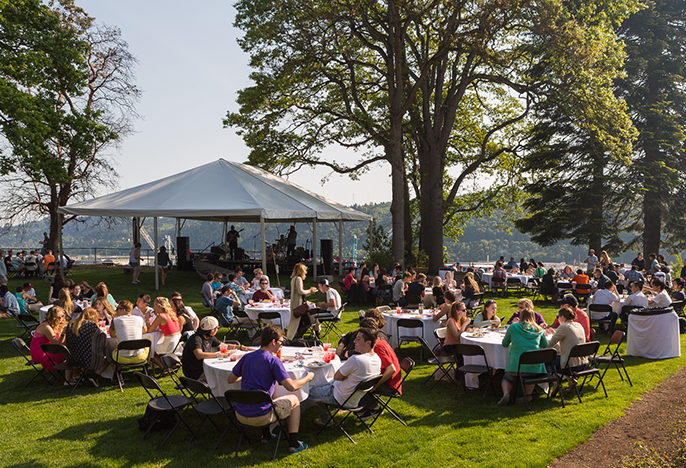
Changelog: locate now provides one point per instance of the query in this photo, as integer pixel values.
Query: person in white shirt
(591, 261)
(259, 274)
(143, 309)
(333, 299)
(126, 327)
(356, 369)
(606, 296)
(660, 297)
(636, 298)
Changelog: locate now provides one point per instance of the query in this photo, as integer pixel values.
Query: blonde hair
(437, 281)
(526, 304)
(528, 320)
(469, 278)
(51, 316)
(299, 270)
(64, 298)
(163, 302)
(258, 271)
(88, 314)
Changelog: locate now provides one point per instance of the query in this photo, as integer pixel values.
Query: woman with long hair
(51, 330)
(525, 335)
(180, 310)
(169, 324)
(469, 288)
(438, 290)
(67, 304)
(449, 282)
(104, 309)
(488, 317)
(298, 325)
(457, 323)
(86, 290)
(102, 291)
(79, 340)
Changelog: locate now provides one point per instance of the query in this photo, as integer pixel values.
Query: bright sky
(190, 69)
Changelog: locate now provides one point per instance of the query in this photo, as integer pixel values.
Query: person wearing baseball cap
(199, 346)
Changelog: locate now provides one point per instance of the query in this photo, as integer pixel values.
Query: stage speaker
(327, 256)
(183, 254)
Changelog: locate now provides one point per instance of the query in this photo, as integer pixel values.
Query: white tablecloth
(653, 336)
(42, 312)
(276, 292)
(429, 326)
(285, 311)
(487, 277)
(217, 372)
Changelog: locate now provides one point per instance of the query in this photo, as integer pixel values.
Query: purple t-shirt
(539, 318)
(260, 370)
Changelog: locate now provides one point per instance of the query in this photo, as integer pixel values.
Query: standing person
(356, 369)
(45, 242)
(605, 260)
(163, 262)
(232, 239)
(291, 239)
(298, 325)
(591, 262)
(525, 335)
(261, 370)
(639, 261)
(135, 261)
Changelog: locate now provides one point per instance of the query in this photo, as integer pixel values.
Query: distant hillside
(482, 238)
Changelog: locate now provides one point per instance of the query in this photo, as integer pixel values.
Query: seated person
(500, 275)
(199, 347)
(207, 291)
(263, 293)
(660, 297)
(569, 334)
(143, 309)
(678, 293)
(581, 317)
(636, 298)
(524, 335)
(488, 317)
(444, 310)
(9, 304)
(259, 275)
(438, 291)
(400, 288)
(580, 277)
(51, 330)
(549, 285)
(355, 370)
(125, 327)
(346, 346)
(225, 304)
(634, 275)
(333, 299)
(457, 323)
(417, 288)
(449, 282)
(540, 270)
(601, 279)
(240, 279)
(607, 295)
(523, 304)
(469, 288)
(217, 281)
(349, 280)
(261, 370)
(567, 273)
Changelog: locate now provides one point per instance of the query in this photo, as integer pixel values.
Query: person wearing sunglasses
(457, 323)
(263, 294)
(49, 331)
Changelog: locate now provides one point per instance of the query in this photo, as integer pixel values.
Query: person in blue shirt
(225, 304)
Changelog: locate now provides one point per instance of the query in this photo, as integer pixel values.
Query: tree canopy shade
(653, 88)
(399, 81)
(66, 97)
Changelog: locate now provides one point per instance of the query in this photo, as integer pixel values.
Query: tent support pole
(178, 228)
(157, 270)
(314, 249)
(221, 242)
(340, 248)
(264, 246)
(371, 238)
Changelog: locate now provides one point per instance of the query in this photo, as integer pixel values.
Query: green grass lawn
(97, 427)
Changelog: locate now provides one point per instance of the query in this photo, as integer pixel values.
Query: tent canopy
(219, 191)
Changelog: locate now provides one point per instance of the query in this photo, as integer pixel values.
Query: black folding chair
(513, 284)
(444, 363)
(461, 350)
(254, 397)
(61, 368)
(329, 322)
(498, 284)
(474, 304)
(130, 345)
(27, 324)
(624, 314)
(161, 403)
(582, 292)
(170, 363)
(264, 316)
(413, 301)
(24, 350)
(601, 309)
(210, 406)
(610, 357)
(533, 287)
(407, 364)
(411, 324)
(363, 386)
(582, 350)
(538, 356)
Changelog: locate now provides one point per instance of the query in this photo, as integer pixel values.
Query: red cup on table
(273, 299)
(332, 356)
(250, 301)
(327, 346)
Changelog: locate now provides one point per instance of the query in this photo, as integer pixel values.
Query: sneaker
(301, 447)
(504, 400)
(93, 382)
(71, 383)
(369, 414)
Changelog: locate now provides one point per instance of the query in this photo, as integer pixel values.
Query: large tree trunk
(431, 209)
(398, 183)
(410, 258)
(652, 222)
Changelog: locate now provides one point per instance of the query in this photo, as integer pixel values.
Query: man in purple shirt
(261, 370)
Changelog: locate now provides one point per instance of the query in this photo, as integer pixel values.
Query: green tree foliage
(653, 88)
(66, 98)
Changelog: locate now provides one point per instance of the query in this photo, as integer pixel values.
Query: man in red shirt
(499, 272)
(581, 316)
(390, 369)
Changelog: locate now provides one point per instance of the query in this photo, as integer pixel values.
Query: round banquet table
(284, 310)
(276, 292)
(487, 277)
(427, 319)
(217, 372)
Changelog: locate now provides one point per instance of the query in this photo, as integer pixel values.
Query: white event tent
(222, 191)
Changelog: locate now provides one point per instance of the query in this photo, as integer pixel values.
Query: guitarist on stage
(232, 239)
